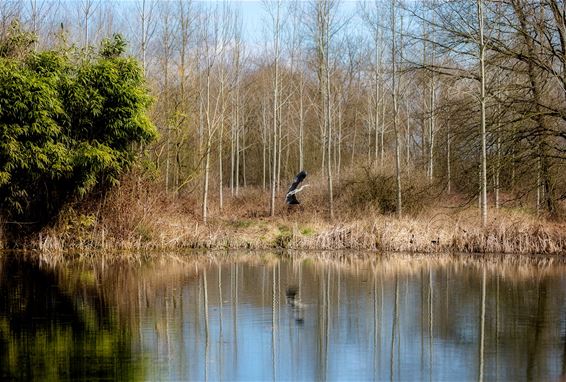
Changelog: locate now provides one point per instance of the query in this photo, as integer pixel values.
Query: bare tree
(323, 11)
(213, 49)
(276, 29)
(394, 92)
(481, 47)
(373, 16)
(86, 10)
(145, 10)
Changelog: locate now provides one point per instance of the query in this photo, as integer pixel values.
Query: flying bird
(291, 197)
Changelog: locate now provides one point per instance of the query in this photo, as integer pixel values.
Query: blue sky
(254, 17)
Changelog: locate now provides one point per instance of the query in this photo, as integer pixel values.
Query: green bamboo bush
(70, 123)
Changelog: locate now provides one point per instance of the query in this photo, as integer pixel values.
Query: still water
(260, 316)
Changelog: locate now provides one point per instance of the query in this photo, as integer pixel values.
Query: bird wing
(290, 198)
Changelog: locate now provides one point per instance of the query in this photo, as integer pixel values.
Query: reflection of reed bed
(195, 261)
(412, 263)
(148, 286)
(119, 280)
(151, 285)
(121, 273)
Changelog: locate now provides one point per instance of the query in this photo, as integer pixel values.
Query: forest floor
(135, 217)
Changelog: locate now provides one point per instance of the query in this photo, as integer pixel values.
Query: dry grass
(457, 232)
(139, 216)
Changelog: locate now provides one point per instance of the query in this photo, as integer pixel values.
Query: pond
(262, 316)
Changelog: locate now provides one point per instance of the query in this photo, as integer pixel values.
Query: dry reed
(138, 216)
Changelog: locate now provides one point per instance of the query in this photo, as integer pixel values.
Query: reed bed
(414, 235)
(385, 234)
(140, 217)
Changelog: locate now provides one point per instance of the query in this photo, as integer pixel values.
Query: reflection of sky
(386, 324)
(355, 337)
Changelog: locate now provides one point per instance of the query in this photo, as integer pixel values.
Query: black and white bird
(291, 197)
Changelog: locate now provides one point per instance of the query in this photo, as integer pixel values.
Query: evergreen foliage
(69, 124)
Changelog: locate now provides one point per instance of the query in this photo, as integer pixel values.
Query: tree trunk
(275, 107)
(220, 140)
(395, 107)
(483, 186)
(377, 74)
(448, 163)
(534, 79)
(323, 19)
(207, 150)
(301, 124)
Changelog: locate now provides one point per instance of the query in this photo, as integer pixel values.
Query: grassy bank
(137, 216)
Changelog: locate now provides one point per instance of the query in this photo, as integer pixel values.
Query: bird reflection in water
(294, 302)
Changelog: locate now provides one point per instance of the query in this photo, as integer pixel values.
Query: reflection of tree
(517, 319)
(482, 327)
(47, 334)
(538, 324)
(394, 323)
(204, 316)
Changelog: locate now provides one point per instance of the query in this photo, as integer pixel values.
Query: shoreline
(139, 217)
(384, 234)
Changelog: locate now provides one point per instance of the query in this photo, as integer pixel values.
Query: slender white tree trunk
(448, 163)
(323, 17)
(394, 91)
(432, 119)
(408, 136)
(279, 139)
(208, 144)
(377, 75)
(232, 149)
(301, 123)
(339, 139)
(220, 139)
(264, 127)
(498, 168)
(382, 143)
(238, 149)
(483, 117)
(276, 31)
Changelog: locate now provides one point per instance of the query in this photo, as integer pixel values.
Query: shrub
(369, 189)
(67, 127)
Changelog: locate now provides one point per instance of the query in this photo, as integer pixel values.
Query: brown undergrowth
(138, 215)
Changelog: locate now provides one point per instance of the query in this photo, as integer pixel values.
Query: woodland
(426, 126)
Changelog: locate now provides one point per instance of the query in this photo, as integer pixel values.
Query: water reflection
(55, 326)
(265, 317)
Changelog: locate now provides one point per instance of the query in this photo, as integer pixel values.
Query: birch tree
(372, 15)
(145, 10)
(481, 55)
(86, 11)
(323, 10)
(275, 15)
(213, 48)
(395, 96)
